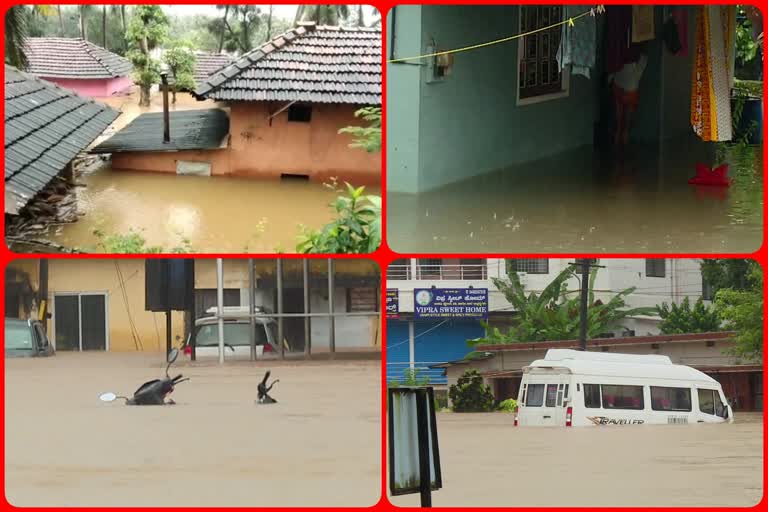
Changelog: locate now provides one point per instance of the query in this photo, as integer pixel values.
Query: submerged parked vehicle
(153, 392)
(574, 388)
(237, 339)
(26, 338)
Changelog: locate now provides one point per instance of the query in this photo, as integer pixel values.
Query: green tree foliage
(411, 377)
(554, 314)
(366, 137)
(742, 311)
(469, 394)
(356, 230)
(508, 405)
(725, 273)
(147, 29)
(237, 28)
(332, 15)
(135, 243)
(180, 60)
(682, 318)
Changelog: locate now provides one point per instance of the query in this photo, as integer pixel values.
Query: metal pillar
(411, 346)
(280, 331)
(307, 325)
(220, 305)
(331, 318)
(252, 306)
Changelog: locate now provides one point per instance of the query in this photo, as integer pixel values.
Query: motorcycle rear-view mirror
(107, 397)
(172, 355)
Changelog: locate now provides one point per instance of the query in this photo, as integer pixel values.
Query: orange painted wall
(166, 161)
(315, 148)
(258, 149)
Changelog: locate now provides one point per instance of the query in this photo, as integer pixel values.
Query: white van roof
(560, 354)
(619, 365)
(239, 313)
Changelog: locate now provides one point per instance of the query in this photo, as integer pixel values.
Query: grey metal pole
(307, 327)
(331, 318)
(252, 306)
(280, 332)
(166, 114)
(585, 263)
(220, 305)
(411, 346)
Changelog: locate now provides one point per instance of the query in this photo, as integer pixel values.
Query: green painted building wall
(469, 123)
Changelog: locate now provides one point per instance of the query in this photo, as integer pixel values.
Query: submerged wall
(94, 88)
(261, 148)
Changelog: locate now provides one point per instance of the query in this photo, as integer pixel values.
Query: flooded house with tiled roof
(46, 127)
(77, 64)
(286, 102)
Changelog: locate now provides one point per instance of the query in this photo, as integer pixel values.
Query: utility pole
(586, 264)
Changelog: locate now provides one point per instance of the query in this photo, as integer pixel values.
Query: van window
(592, 396)
(710, 403)
(706, 401)
(535, 396)
(559, 395)
(670, 399)
(551, 395)
(622, 397)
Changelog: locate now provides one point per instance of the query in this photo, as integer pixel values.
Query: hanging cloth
(619, 47)
(713, 69)
(578, 43)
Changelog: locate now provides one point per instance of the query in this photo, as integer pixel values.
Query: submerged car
(237, 339)
(26, 338)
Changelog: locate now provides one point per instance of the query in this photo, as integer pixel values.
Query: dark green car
(26, 338)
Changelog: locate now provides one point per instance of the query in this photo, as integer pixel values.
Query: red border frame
(385, 255)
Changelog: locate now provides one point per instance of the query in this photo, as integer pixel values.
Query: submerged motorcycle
(153, 392)
(263, 390)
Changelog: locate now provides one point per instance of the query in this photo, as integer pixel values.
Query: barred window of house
(655, 267)
(539, 72)
(707, 290)
(531, 266)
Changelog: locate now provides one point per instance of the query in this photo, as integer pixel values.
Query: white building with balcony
(419, 344)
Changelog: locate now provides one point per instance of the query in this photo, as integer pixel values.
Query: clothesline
(570, 22)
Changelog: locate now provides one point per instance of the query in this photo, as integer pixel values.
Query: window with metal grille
(300, 113)
(473, 268)
(531, 266)
(399, 270)
(655, 267)
(707, 290)
(430, 268)
(539, 73)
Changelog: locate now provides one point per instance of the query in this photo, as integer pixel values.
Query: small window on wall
(655, 267)
(539, 73)
(670, 399)
(300, 113)
(531, 266)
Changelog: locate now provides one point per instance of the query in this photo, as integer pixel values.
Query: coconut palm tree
(15, 36)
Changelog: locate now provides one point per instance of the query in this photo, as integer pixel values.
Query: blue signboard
(450, 303)
(393, 303)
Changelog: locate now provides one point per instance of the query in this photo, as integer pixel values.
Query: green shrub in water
(508, 405)
(469, 394)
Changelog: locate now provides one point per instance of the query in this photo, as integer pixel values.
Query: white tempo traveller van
(574, 388)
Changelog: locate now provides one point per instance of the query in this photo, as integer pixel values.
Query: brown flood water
(217, 214)
(487, 462)
(319, 446)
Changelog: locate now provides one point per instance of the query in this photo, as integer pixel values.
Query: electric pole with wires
(585, 264)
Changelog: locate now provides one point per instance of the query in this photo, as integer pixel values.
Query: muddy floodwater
(487, 462)
(319, 446)
(585, 202)
(216, 214)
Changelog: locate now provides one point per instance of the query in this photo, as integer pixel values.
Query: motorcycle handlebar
(177, 378)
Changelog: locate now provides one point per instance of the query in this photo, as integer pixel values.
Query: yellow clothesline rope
(569, 21)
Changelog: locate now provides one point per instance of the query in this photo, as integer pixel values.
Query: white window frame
(79, 295)
(565, 81)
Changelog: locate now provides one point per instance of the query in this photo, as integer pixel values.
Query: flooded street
(216, 214)
(584, 202)
(487, 462)
(319, 446)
